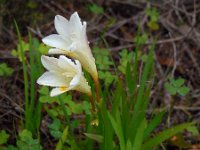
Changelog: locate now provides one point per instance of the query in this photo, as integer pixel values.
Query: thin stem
(92, 103)
(96, 82)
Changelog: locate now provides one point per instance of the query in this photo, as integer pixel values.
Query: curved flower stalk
(71, 40)
(63, 75)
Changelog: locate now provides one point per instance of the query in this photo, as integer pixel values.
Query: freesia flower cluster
(65, 73)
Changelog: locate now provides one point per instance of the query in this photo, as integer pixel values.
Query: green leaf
(153, 25)
(183, 90)
(43, 99)
(52, 112)
(56, 134)
(55, 125)
(153, 124)
(86, 107)
(170, 88)
(141, 39)
(44, 90)
(117, 125)
(94, 8)
(178, 83)
(193, 130)
(54, 128)
(10, 147)
(139, 136)
(129, 145)
(27, 142)
(164, 135)
(129, 77)
(62, 140)
(5, 70)
(43, 49)
(3, 137)
(25, 135)
(98, 138)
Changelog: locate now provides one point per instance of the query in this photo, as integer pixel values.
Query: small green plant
(126, 119)
(5, 70)
(55, 128)
(70, 106)
(26, 141)
(31, 71)
(125, 58)
(22, 47)
(176, 86)
(25, 46)
(94, 8)
(3, 137)
(104, 64)
(153, 14)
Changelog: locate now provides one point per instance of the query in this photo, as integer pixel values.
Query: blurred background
(112, 29)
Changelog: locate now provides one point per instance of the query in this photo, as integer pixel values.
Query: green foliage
(55, 128)
(125, 58)
(176, 86)
(22, 47)
(26, 141)
(94, 8)
(127, 118)
(5, 70)
(152, 124)
(31, 70)
(70, 106)
(102, 59)
(193, 130)
(10, 147)
(3, 137)
(95, 137)
(153, 14)
(104, 64)
(62, 140)
(164, 135)
(141, 39)
(107, 77)
(45, 95)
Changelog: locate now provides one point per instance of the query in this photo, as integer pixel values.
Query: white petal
(73, 46)
(56, 41)
(66, 64)
(83, 86)
(75, 23)
(74, 82)
(57, 91)
(57, 51)
(52, 79)
(83, 31)
(50, 63)
(78, 67)
(61, 25)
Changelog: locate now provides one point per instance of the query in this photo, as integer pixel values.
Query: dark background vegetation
(177, 50)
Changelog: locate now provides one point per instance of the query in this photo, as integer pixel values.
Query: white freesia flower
(64, 75)
(71, 40)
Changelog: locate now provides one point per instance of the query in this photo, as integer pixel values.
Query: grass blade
(139, 136)
(62, 140)
(25, 76)
(153, 124)
(164, 135)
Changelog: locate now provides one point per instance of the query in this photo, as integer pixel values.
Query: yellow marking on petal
(63, 88)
